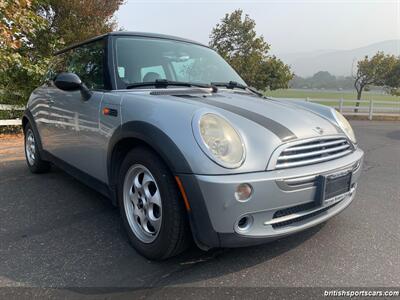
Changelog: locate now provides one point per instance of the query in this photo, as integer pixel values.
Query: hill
(336, 62)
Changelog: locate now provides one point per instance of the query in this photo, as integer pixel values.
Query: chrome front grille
(313, 152)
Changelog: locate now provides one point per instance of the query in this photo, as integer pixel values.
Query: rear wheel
(151, 205)
(32, 155)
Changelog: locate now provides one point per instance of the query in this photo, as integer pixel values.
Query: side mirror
(72, 82)
(68, 82)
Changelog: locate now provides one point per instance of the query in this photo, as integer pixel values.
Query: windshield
(140, 59)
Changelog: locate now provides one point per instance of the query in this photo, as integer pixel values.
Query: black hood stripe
(279, 130)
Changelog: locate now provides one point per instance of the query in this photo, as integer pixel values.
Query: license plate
(335, 187)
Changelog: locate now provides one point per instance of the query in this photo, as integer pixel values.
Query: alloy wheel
(30, 147)
(142, 203)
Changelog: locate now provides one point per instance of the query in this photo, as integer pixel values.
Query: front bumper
(283, 202)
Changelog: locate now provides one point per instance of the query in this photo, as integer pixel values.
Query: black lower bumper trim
(204, 234)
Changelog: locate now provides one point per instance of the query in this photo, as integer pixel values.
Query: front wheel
(151, 206)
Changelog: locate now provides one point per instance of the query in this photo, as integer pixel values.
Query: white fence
(12, 122)
(370, 108)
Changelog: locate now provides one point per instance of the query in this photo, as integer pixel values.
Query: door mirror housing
(71, 82)
(68, 82)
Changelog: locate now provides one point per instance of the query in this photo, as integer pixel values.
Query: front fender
(203, 234)
(156, 139)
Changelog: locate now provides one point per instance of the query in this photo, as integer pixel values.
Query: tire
(33, 160)
(151, 206)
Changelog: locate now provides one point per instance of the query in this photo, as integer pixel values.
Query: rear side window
(86, 61)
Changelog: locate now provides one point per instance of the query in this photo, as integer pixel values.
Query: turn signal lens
(243, 192)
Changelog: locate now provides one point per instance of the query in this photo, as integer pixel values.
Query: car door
(39, 107)
(75, 132)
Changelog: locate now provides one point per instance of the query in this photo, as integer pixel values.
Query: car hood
(287, 120)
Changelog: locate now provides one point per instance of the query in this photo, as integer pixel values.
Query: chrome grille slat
(312, 161)
(317, 145)
(312, 152)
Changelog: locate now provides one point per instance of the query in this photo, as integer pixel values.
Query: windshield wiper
(233, 84)
(164, 83)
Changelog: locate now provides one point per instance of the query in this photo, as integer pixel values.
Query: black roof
(130, 33)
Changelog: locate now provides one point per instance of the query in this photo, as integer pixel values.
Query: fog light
(243, 192)
(244, 223)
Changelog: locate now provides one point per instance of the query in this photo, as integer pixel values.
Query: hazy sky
(289, 26)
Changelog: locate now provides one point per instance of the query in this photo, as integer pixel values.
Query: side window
(152, 73)
(87, 62)
(57, 65)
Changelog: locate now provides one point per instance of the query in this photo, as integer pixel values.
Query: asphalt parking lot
(56, 232)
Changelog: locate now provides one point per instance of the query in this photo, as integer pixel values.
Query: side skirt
(83, 177)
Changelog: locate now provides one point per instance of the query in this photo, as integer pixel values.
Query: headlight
(344, 125)
(219, 140)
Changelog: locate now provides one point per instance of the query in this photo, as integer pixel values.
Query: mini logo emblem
(318, 130)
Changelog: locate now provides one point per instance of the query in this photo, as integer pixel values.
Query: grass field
(346, 95)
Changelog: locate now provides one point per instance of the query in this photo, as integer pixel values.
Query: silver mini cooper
(167, 130)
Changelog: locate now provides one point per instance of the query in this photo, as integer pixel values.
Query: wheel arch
(24, 121)
(139, 133)
(28, 118)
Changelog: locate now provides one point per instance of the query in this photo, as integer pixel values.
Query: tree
(373, 71)
(393, 79)
(19, 25)
(236, 40)
(275, 74)
(73, 21)
(33, 30)
(323, 79)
